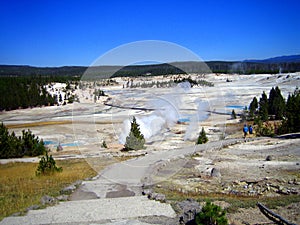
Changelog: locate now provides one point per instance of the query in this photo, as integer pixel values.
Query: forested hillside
(27, 91)
(273, 65)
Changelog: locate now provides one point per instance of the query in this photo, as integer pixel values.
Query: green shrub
(211, 214)
(233, 114)
(202, 137)
(47, 166)
(104, 145)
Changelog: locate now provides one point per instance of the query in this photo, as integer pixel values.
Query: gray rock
(68, 190)
(294, 191)
(215, 172)
(33, 207)
(71, 188)
(284, 191)
(157, 197)
(269, 158)
(16, 214)
(116, 194)
(77, 183)
(62, 197)
(187, 210)
(147, 192)
(59, 148)
(160, 197)
(48, 200)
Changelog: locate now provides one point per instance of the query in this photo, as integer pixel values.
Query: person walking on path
(245, 130)
(250, 129)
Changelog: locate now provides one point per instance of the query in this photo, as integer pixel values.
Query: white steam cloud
(166, 114)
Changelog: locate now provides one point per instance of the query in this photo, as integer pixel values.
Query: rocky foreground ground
(119, 195)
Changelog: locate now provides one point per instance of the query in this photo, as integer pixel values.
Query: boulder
(187, 210)
(147, 192)
(62, 197)
(68, 190)
(215, 172)
(157, 197)
(48, 200)
(269, 158)
(71, 188)
(33, 207)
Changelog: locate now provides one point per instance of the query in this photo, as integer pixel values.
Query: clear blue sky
(57, 33)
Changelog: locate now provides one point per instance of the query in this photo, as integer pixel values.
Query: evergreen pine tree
(47, 166)
(253, 107)
(202, 137)
(292, 121)
(135, 140)
(4, 142)
(276, 103)
(233, 114)
(280, 104)
(263, 107)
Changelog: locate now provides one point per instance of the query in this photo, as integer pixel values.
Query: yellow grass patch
(37, 124)
(21, 188)
(49, 123)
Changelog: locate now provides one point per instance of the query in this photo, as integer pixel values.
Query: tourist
(250, 130)
(245, 130)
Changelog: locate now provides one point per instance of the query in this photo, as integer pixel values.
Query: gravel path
(93, 211)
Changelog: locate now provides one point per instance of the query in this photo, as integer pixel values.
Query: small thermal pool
(235, 106)
(183, 120)
(55, 143)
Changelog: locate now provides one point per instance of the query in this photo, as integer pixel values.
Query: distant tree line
(285, 114)
(253, 67)
(51, 72)
(240, 67)
(193, 82)
(168, 83)
(148, 70)
(213, 66)
(12, 146)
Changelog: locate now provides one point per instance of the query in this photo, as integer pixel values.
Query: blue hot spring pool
(235, 106)
(183, 120)
(71, 144)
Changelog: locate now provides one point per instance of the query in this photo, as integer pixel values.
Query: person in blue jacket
(245, 130)
(250, 129)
